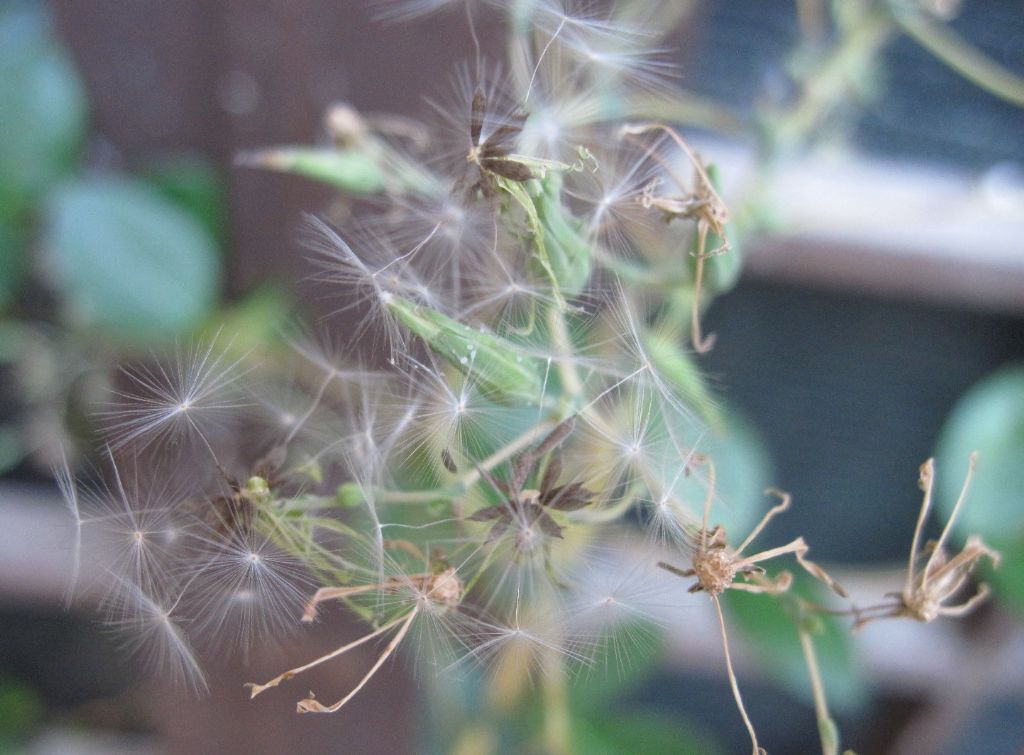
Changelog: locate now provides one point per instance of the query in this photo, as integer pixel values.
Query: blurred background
(879, 321)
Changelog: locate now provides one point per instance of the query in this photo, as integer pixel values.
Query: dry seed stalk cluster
(532, 266)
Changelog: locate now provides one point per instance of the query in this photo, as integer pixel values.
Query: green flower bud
(497, 364)
(568, 252)
(257, 489)
(355, 171)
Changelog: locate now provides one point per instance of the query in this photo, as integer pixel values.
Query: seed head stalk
(826, 727)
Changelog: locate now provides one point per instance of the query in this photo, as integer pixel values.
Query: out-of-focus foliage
(21, 710)
(989, 419)
(645, 731)
(192, 183)
(91, 263)
(12, 265)
(768, 623)
(42, 108)
(128, 260)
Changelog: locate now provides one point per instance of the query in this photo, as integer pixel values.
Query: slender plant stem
(964, 58)
(732, 678)
(562, 343)
(829, 745)
(472, 476)
(827, 85)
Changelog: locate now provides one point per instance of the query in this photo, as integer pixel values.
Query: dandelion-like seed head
(190, 395)
(243, 588)
(150, 629)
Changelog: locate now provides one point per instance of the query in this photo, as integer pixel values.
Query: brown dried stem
(756, 749)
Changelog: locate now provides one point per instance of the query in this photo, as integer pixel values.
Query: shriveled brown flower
(716, 566)
(702, 204)
(928, 588)
(491, 153)
(529, 509)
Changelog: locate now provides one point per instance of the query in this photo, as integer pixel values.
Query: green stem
(471, 477)
(829, 83)
(964, 58)
(563, 346)
(826, 727)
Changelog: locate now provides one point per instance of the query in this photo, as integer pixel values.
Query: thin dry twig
(443, 588)
(703, 204)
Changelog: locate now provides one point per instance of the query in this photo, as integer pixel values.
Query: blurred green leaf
(194, 185)
(20, 708)
(680, 369)
(769, 625)
(638, 731)
(12, 451)
(130, 261)
(254, 323)
(1008, 579)
(42, 107)
(12, 261)
(988, 419)
(722, 270)
(13, 337)
(744, 471)
(741, 465)
(631, 652)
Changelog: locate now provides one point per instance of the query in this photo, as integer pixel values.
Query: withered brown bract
(490, 154)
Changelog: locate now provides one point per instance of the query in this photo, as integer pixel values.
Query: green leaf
(21, 710)
(193, 184)
(678, 367)
(129, 261)
(742, 469)
(639, 731)
(631, 652)
(12, 450)
(13, 335)
(768, 623)
(988, 419)
(1008, 579)
(252, 324)
(12, 261)
(42, 107)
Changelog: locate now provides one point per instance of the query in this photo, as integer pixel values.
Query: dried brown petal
(510, 169)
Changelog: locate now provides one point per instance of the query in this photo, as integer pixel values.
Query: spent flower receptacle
(716, 566)
(934, 578)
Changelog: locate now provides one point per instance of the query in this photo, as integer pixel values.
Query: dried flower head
(928, 589)
(716, 566)
(491, 150)
(526, 513)
(434, 594)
